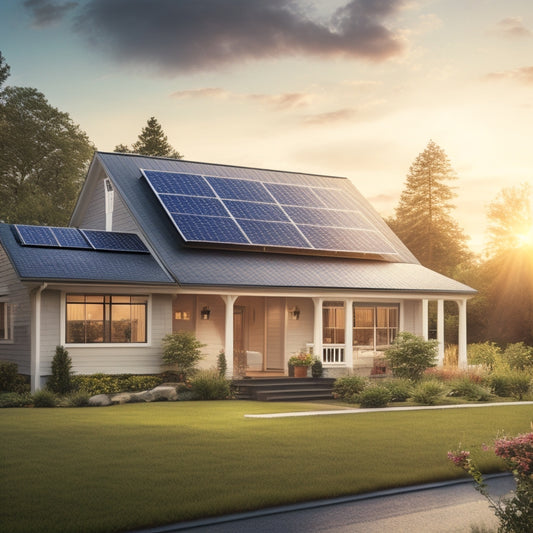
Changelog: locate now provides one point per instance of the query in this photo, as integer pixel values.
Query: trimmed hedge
(113, 383)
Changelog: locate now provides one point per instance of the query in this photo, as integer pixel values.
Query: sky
(344, 88)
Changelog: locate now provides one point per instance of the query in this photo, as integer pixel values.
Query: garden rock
(100, 400)
(164, 392)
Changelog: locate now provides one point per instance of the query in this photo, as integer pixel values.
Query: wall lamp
(205, 313)
(295, 313)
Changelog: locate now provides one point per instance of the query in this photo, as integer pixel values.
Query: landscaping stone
(121, 397)
(100, 400)
(164, 392)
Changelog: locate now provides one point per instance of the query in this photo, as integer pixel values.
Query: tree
(183, 350)
(4, 70)
(152, 141)
(510, 220)
(423, 220)
(43, 159)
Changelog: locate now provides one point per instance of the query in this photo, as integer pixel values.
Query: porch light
(205, 313)
(295, 313)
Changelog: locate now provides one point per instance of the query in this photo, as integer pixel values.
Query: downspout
(36, 340)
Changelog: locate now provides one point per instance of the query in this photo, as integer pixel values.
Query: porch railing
(333, 353)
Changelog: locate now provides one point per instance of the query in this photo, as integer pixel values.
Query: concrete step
(284, 389)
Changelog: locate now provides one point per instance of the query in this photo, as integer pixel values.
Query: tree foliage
(43, 158)
(423, 218)
(4, 70)
(152, 141)
(183, 350)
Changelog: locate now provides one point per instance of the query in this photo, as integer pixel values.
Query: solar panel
(252, 212)
(70, 238)
(36, 236)
(113, 241)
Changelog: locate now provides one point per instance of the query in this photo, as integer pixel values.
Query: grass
(139, 465)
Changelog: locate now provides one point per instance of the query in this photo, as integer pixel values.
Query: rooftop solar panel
(112, 241)
(36, 235)
(70, 238)
(294, 217)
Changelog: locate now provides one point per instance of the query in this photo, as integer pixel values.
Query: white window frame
(107, 345)
(388, 305)
(7, 326)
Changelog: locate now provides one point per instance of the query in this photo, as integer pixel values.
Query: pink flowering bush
(516, 513)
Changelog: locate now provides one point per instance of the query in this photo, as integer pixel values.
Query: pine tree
(423, 218)
(152, 141)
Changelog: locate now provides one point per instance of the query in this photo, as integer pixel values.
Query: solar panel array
(254, 213)
(82, 239)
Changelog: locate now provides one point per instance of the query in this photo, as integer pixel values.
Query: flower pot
(300, 371)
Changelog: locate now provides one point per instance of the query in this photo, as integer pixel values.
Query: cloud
(176, 36)
(521, 75)
(206, 92)
(284, 100)
(512, 27)
(47, 12)
(339, 115)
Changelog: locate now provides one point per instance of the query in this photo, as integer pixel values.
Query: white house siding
(412, 316)
(94, 213)
(50, 328)
(122, 220)
(299, 332)
(13, 291)
(128, 359)
(211, 332)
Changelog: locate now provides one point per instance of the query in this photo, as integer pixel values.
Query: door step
(284, 389)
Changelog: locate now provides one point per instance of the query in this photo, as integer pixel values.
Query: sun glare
(525, 239)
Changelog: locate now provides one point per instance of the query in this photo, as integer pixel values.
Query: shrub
(518, 356)
(409, 355)
(469, 390)
(10, 380)
(77, 399)
(428, 392)
(347, 387)
(400, 389)
(15, 399)
(44, 398)
(510, 383)
(60, 380)
(317, 369)
(182, 349)
(484, 353)
(112, 383)
(209, 385)
(375, 396)
(222, 366)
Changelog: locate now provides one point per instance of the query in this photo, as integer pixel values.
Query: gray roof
(226, 268)
(63, 264)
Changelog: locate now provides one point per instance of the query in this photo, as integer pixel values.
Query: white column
(462, 361)
(35, 343)
(348, 333)
(317, 328)
(228, 337)
(425, 318)
(440, 332)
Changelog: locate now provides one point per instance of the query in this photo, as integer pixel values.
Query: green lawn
(136, 465)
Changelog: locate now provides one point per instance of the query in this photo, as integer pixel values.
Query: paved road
(446, 508)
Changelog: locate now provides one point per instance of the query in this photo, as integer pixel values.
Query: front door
(275, 333)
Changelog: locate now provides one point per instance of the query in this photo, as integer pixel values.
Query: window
(375, 326)
(333, 322)
(6, 330)
(106, 318)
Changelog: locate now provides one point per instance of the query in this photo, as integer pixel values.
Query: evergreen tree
(4, 70)
(152, 141)
(423, 217)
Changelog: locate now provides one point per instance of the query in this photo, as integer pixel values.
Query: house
(260, 264)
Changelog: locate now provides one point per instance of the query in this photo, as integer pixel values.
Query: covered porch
(259, 332)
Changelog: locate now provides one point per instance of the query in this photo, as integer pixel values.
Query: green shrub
(510, 383)
(347, 387)
(464, 388)
(375, 396)
(222, 366)
(60, 380)
(409, 355)
(15, 399)
(44, 398)
(183, 350)
(10, 380)
(428, 392)
(112, 383)
(399, 388)
(77, 399)
(209, 385)
(483, 353)
(518, 356)
(317, 368)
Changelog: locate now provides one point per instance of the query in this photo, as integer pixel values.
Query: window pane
(91, 298)
(121, 299)
(363, 337)
(364, 317)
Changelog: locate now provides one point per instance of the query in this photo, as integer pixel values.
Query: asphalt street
(435, 508)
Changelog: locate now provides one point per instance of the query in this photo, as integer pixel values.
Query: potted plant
(300, 363)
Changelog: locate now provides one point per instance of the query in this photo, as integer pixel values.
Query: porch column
(440, 332)
(228, 337)
(425, 318)
(317, 329)
(348, 333)
(462, 348)
(35, 343)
